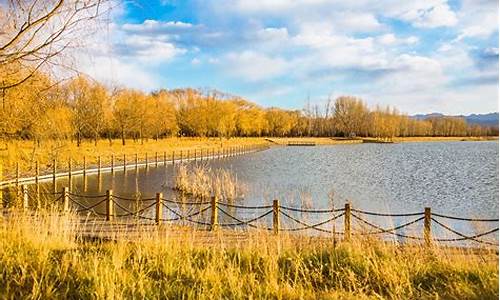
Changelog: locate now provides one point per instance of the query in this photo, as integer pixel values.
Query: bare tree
(34, 33)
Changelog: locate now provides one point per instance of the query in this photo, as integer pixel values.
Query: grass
(43, 257)
(202, 182)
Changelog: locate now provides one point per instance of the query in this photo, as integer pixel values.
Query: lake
(455, 178)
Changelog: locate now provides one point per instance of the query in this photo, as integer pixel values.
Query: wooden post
(37, 172)
(84, 166)
(347, 222)
(334, 234)
(99, 164)
(69, 172)
(109, 205)
(180, 157)
(65, 193)
(201, 154)
(136, 161)
(173, 158)
(17, 174)
(156, 159)
(159, 210)
(215, 213)
(194, 154)
(112, 163)
(54, 172)
(24, 192)
(124, 163)
(276, 216)
(427, 226)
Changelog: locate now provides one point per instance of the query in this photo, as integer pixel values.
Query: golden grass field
(42, 256)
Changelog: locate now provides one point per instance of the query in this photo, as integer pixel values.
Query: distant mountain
(490, 119)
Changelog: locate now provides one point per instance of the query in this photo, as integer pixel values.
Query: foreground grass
(42, 257)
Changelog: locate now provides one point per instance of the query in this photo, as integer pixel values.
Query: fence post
(17, 174)
(334, 234)
(215, 213)
(109, 205)
(194, 154)
(124, 163)
(276, 216)
(99, 165)
(112, 163)
(65, 199)
(201, 154)
(347, 222)
(173, 158)
(156, 159)
(136, 162)
(37, 172)
(54, 171)
(24, 192)
(84, 166)
(427, 226)
(180, 157)
(159, 210)
(69, 173)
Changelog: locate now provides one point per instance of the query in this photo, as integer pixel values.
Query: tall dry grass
(42, 256)
(201, 181)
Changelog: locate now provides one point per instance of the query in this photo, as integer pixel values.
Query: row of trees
(85, 109)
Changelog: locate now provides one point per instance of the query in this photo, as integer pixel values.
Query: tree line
(85, 109)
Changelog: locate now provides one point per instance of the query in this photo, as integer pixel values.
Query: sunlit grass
(43, 257)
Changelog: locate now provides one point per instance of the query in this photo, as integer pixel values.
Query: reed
(201, 181)
(42, 256)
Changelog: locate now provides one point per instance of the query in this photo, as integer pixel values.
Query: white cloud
(253, 66)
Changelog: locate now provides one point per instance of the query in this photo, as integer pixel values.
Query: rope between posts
(187, 217)
(185, 203)
(129, 212)
(85, 207)
(386, 214)
(464, 219)
(133, 199)
(86, 196)
(384, 230)
(249, 224)
(463, 236)
(309, 226)
(244, 207)
(242, 222)
(391, 232)
(318, 211)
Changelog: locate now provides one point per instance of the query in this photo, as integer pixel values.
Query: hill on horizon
(489, 119)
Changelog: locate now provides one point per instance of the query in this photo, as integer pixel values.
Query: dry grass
(200, 181)
(42, 257)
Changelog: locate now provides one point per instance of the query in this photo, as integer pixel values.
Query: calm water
(456, 178)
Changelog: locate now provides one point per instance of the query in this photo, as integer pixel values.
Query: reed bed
(43, 256)
(201, 181)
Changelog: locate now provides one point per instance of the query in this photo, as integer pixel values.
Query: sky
(420, 56)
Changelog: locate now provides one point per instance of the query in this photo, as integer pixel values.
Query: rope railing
(51, 171)
(194, 209)
(310, 226)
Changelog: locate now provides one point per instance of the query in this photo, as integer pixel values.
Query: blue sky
(420, 56)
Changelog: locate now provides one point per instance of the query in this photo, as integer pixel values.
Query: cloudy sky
(421, 56)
